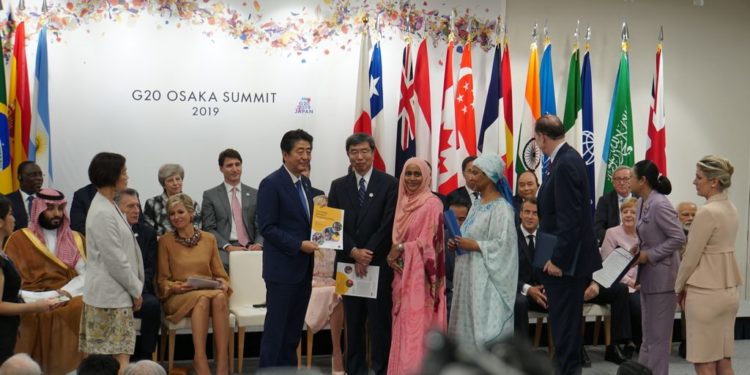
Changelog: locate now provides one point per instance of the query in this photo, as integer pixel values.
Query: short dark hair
(105, 169)
(466, 162)
(229, 153)
(457, 200)
(358, 138)
(533, 173)
(551, 126)
(4, 206)
(531, 200)
(657, 181)
(23, 166)
(291, 137)
(99, 364)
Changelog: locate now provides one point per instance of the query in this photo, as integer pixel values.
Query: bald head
(686, 213)
(20, 364)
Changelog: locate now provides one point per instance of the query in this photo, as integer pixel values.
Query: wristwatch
(400, 247)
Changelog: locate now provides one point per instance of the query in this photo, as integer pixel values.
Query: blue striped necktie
(362, 190)
(302, 198)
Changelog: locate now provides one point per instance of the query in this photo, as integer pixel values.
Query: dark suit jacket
(370, 226)
(146, 236)
(607, 214)
(19, 209)
(527, 274)
(284, 225)
(216, 212)
(564, 211)
(80, 207)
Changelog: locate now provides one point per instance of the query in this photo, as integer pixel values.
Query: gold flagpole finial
(534, 33)
(575, 34)
(588, 37)
(546, 32)
(625, 37)
(21, 5)
(498, 31)
(452, 26)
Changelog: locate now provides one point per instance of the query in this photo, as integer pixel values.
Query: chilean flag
(369, 102)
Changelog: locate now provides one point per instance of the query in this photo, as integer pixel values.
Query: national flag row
(24, 120)
(457, 131)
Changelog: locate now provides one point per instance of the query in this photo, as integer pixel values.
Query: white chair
(249, 288)
(590, 310)
(184, 326)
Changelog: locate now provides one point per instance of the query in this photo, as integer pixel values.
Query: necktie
(532, 247)
(30, 199)
(302, 198)
(476, 195)
(362, 189)
(242, 237)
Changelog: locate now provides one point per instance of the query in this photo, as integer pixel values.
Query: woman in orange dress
(184, 252)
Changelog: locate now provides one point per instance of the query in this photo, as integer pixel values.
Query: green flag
(618, 145)
(573, 100)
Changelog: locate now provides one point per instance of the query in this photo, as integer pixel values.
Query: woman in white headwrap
(485, 276)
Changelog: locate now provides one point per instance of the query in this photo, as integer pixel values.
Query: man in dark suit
(150, 312)
(530, 294)
(465, 193)
(460, 208)
(229, 209)
(284, 216)
(563, 211)
(608, 207)
(80, 207)
(31, 178)
(368, 198)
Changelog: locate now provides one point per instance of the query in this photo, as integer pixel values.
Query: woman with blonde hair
(707, 281)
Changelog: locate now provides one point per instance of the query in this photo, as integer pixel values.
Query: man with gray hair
(608, 207)
(145, 367)
(20, 364)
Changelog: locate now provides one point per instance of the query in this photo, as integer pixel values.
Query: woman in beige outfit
(709, 275)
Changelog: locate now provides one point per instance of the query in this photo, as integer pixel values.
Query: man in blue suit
(284, 213)
(564, 212)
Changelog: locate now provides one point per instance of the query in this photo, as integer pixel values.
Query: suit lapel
(291, 190)
(221, 192)
(352, 193)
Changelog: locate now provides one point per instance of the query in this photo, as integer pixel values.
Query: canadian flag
(369, 102)
(657, 132)
(448, 164)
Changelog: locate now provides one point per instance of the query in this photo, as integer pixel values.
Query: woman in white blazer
(114, 277)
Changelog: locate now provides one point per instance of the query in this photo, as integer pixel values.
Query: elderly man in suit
(284, 216)
(31, 178)
(608, 207)
(368, 197)
(563, 213)
(229, 209)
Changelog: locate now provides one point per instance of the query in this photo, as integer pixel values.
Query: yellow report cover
(328, 227)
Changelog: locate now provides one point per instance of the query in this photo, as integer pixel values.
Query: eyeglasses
(621, 179)
(363, 152)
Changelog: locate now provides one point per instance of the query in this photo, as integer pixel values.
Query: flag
(40, 146)
(528, 154)
(369, 102)
(406, 129)
(573, 100)
(448, 165)
(618, 145)
(6, 174)
(587, 136)
(423, 110)
(506, 95)
(492, 105)
(547, 92)
(376, 105)
(466, 127)
(657, 132)
(19, 113)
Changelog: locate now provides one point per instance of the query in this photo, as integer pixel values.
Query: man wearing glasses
(608, 206)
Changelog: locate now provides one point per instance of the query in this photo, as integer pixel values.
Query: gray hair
(20, 364)
(358, 138)
(128, 191)
(145, 367)
(621, 168)
(717, 168)
(168, 170)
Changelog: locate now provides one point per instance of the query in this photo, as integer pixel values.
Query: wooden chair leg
(538, 331)
(240, 348)
(608, 330)
(170, 355)
(309, 348)
(597, 329)
(550, 341)
(163, 342)
(299, 354)
(231, 350)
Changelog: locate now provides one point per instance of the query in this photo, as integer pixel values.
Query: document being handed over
(614, 267)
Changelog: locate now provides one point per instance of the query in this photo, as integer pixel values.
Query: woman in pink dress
(418, 260)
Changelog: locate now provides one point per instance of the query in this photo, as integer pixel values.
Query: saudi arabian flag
(573, 102)
(618, 145)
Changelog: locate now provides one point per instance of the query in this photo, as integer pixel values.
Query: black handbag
(631, 367)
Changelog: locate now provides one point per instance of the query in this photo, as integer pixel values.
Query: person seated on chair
(51, 260)
(155, 211)
(528, 185)
(150, 312)
(625, 236)
(188, 251)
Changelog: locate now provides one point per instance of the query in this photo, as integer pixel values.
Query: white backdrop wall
(98, 58)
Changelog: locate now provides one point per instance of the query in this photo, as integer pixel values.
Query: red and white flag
(369, 101)
(423, 108)
(656, 151)
(465, 122)
(362, 121)
(448, 165)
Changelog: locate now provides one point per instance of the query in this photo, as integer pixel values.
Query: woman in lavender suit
(660, 238)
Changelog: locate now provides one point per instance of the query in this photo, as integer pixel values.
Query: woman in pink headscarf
(418, 260)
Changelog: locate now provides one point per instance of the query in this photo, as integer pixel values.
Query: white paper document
(349, 284)
(614, 267)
